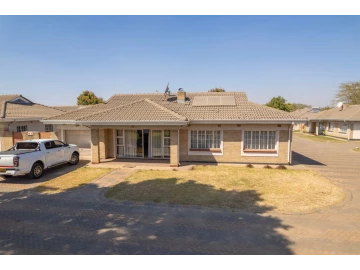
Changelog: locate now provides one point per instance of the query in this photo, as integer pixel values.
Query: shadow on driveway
(66, 223)
(305, 160)
(48, 174)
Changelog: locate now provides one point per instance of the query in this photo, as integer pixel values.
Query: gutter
(127, 123)
(246, 121)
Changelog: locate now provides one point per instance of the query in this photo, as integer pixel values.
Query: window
(21, 128)
(343, 128)
(205, 139)
(259, 140)
(167, 143)
(49, 145)
(49, 127)
(120, 143)
(331, 127)
(26, 145)
(59, 144)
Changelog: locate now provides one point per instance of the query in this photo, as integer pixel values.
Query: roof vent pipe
(181, 96)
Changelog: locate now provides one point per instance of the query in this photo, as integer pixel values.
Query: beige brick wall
(6, 139)
(174, 156)
(109, 143)
(336, 132)
(232, 145)
(95, 149)
(102, 146)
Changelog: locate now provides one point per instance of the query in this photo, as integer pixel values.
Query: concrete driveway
(82, 222)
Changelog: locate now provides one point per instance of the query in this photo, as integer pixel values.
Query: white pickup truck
(33, 156)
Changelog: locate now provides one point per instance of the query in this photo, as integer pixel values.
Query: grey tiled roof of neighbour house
(160, 107)
(349, 113)
(10, 109)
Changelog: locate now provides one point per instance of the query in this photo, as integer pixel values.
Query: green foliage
(217, 89)
(279, 103)
(348, 93)
(88, 98)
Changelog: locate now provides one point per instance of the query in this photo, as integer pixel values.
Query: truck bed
(15, 152)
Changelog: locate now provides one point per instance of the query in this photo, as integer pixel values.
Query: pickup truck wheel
(74, 159)
(36, 171)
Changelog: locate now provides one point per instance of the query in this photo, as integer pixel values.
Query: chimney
(181, 96)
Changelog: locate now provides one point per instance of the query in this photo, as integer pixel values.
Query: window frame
(47, 128)
(23, 128)
(260, 151)
(343, 131)
(204, 135)
(331, 127)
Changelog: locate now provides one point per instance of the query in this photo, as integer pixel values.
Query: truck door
(50, 153)
(60, 151)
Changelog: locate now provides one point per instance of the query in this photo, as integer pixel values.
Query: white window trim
(20, 128)
(52, 128)
(260, 154)
(333, 128)
(205, 153)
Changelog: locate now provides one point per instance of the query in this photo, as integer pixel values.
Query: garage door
(356, 131)
(79, 137)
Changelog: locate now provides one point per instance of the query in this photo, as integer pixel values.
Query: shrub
(174, 169)
(267, 167)
(249, 166)
(281, 167)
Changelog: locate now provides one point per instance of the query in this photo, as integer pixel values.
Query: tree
(217, 89)
(348, 93)
(279, 103)
(88, 98)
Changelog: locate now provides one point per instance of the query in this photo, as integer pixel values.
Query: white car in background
(32, 157)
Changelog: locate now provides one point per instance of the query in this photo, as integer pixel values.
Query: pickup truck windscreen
(26, 145)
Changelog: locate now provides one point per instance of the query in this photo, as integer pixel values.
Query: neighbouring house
(305, 114)
(341, 122)
(70, 108)
(184, 127)
(20, 119)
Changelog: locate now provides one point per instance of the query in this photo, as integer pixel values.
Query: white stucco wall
(31, 125)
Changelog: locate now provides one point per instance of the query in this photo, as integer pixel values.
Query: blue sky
(52, 59)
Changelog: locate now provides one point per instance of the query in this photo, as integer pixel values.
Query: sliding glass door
(160, 143)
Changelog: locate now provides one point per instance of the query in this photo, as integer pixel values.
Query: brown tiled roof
(3, 100)
(142, 110)
(10, 110)
(243, 110)
(349, 112)
(70, 108)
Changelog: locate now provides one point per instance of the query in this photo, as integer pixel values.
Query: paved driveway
(80, 222)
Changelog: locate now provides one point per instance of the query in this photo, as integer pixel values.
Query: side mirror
(66, 144)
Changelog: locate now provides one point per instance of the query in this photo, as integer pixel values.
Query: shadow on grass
(170, 191)
(77, 223)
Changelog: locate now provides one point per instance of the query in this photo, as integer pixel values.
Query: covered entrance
(142, 143)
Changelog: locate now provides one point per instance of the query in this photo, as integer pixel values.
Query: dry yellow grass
(71, 180)
(257, 190)
(356, 149)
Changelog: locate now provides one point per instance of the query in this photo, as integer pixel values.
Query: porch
(133, 145)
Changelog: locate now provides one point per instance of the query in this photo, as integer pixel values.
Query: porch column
(95, 149)
(102, 143)
(109, 143)
(174, 149)
(317, 129)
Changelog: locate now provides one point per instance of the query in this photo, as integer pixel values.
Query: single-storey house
(305, 114)
(341, 122)
(20, 119)
(185, 127)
